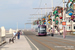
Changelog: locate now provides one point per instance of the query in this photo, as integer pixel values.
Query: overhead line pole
(17, 26)
(46, 14)
(63, 18)
(52, 16)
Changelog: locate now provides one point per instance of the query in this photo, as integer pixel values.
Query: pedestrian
(51, 32)
(14, 34)
(18, 34)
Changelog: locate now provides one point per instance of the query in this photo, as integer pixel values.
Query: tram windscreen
(42, 29)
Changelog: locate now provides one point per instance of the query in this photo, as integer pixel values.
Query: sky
(18, 11)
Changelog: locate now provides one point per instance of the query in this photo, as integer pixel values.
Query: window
(73, 20)
(69, 20)
(69, 27)
(42, 28)
(74, 27)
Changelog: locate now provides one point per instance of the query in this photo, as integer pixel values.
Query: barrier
(9, 33)
(2, 35)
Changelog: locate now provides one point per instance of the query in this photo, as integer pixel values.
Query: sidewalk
(20, 44)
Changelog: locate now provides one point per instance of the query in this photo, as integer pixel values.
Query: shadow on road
(40, 36)
(43, 35)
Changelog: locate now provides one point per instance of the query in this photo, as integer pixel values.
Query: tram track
(42, 43)
(50, 42)
(67, 42)
(55, 43)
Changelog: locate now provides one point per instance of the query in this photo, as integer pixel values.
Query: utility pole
(46, 14)
(63, 18)
(52, 16)
(17, 26)
(25, 26)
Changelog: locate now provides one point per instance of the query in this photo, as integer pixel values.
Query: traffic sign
(64, 23)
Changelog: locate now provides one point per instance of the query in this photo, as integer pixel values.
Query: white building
(70, 25)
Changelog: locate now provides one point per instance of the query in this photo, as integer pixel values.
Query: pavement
(20, 44)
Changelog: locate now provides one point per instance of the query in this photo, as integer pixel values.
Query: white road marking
(31, 42)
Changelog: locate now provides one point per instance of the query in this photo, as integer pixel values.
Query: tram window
(42, 28)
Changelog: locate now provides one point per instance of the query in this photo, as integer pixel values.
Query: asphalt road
(49, 43)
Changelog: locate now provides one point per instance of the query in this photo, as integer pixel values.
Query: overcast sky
(13, 11)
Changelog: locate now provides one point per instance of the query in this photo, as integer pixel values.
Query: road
(49, 43)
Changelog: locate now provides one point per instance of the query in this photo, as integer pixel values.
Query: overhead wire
(60, 2)
(39, 6)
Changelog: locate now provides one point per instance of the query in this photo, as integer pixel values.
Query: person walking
(51, 32)
(18, 34)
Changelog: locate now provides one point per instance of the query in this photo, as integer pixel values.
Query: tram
(42, 30)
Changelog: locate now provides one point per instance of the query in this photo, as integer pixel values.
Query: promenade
(20, 44)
